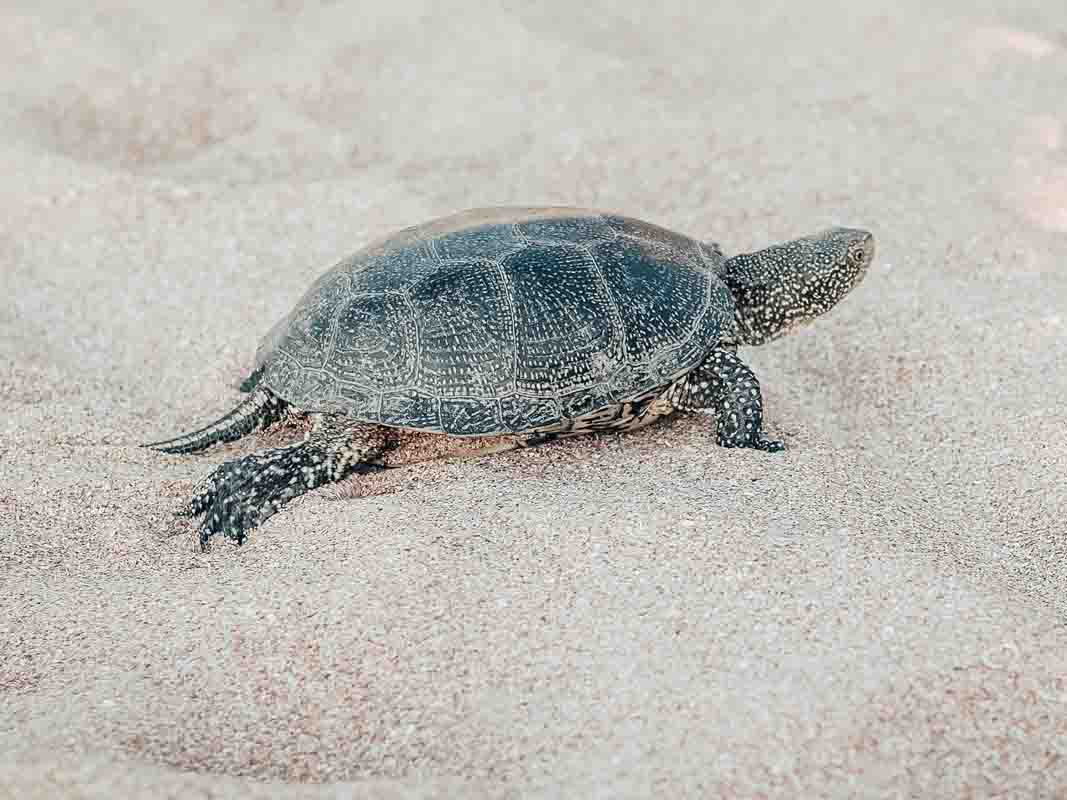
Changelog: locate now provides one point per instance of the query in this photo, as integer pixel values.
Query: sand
(877, 612)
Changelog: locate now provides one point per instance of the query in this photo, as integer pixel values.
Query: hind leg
(241, 494)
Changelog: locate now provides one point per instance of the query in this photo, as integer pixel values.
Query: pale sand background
(879, 612)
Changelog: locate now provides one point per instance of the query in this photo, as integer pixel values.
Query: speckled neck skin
(786, 285)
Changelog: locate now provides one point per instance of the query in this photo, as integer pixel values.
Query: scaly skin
(243, 493)
(774, 290)
(790, 284)
(726, 388)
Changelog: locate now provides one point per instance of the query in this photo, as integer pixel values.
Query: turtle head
(789, 284)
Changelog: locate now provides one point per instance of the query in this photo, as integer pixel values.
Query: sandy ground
(878, 612)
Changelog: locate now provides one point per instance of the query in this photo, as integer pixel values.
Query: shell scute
(500, 321)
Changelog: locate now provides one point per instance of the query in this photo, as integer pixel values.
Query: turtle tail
(256, 411)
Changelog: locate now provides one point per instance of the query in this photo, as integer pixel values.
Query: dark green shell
(500, 321)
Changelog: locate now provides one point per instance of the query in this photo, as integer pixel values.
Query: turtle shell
(500, 320)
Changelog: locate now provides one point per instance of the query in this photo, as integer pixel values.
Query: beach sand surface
(876, 612)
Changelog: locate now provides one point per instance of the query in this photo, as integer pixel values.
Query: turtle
(518, 326)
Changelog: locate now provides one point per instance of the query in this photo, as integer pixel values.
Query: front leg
(241, 494)
(725, 386)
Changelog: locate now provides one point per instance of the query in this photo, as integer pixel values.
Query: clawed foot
(758, 442)
(240, 495)
(743, 430)
(769, 445)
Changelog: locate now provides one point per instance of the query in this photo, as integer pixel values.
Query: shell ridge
(617, 321)
(509, 296)
(409, 304)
